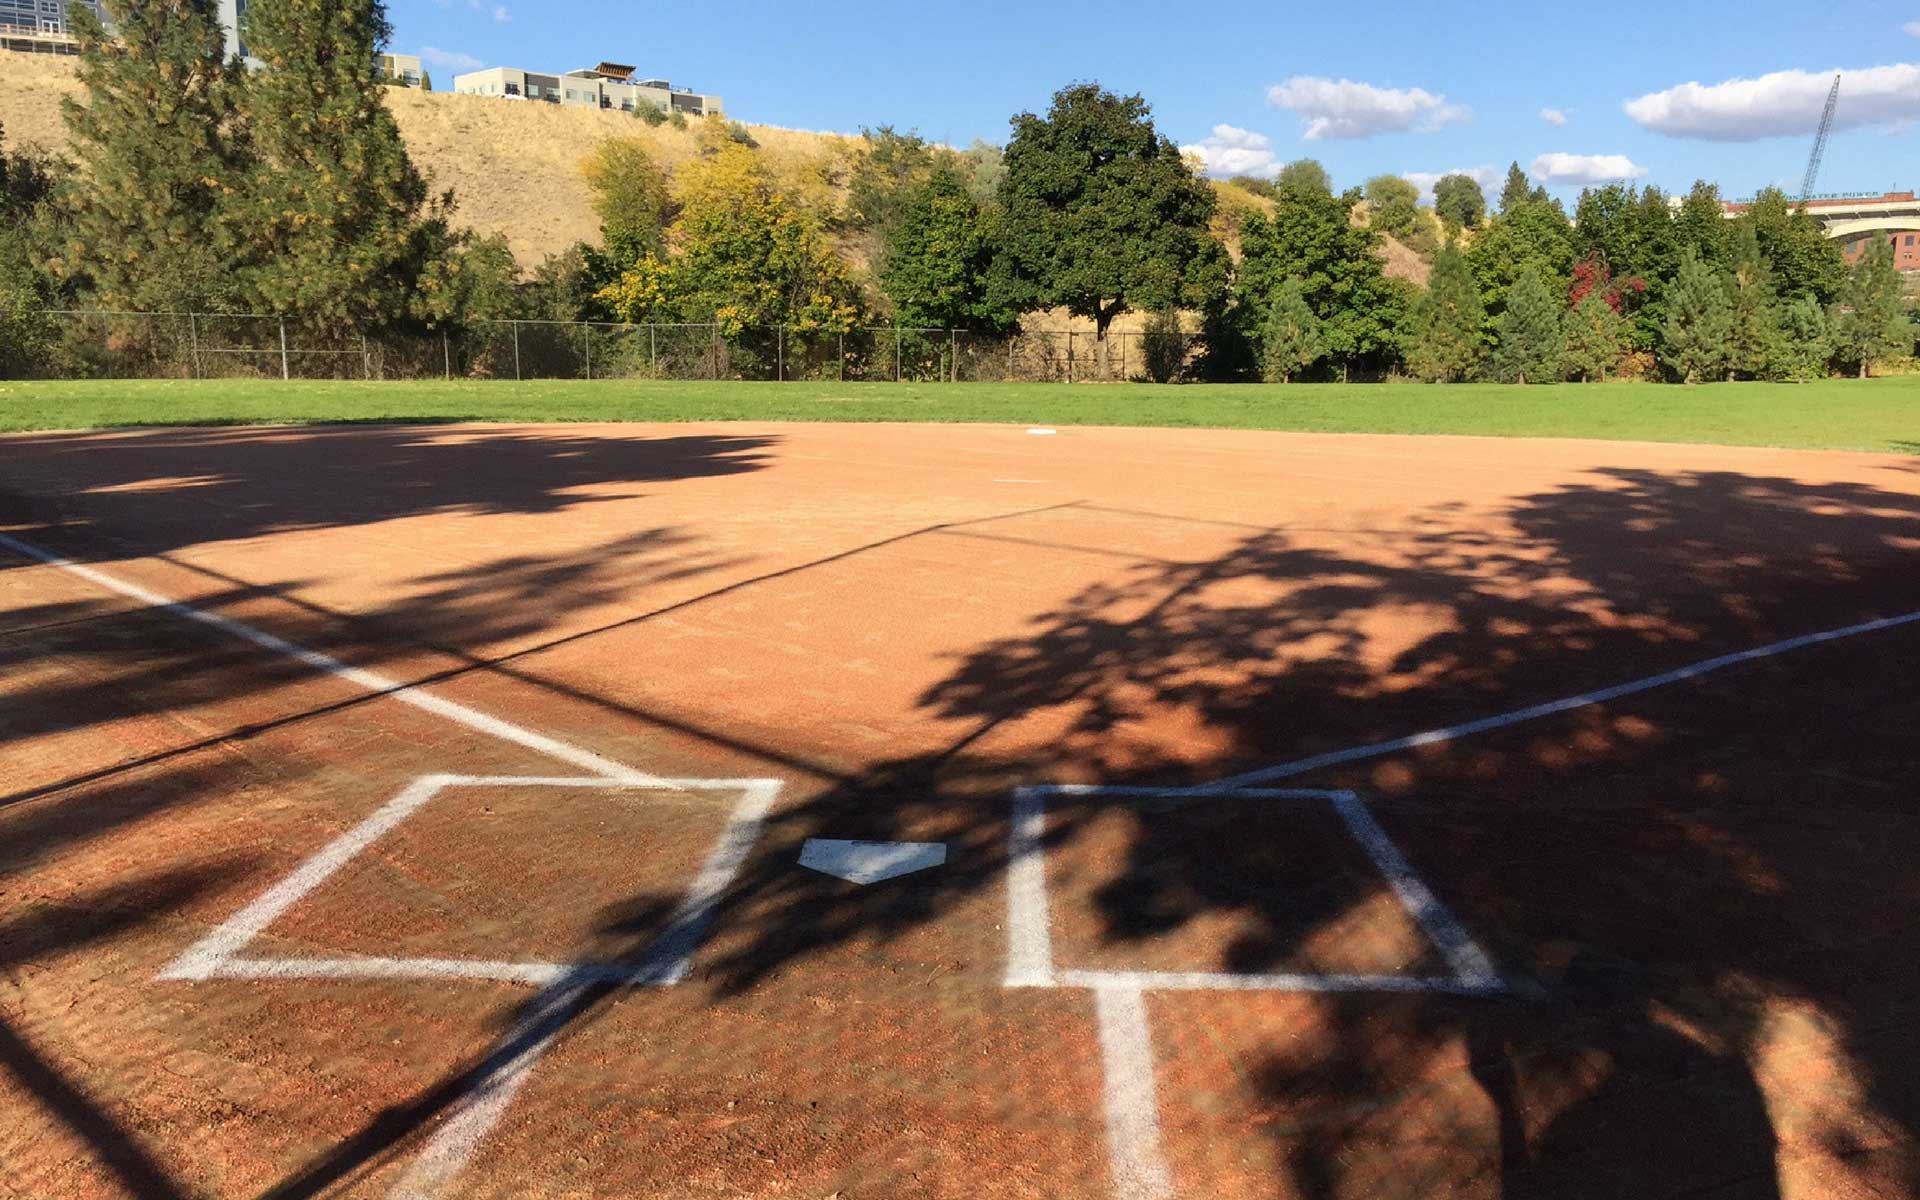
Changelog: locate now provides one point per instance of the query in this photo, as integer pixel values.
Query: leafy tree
(651, 113)
(561, 288)
(1311, 237)
(1798, 253)
(1532, 346)
(1291, 339)
(426, 80)
(1395, 206)
(1596, 338)
(474, 281)
(746, 256)
(1693, 344)
(1702, 224)
(1753, 319)
(27, 335)
(1607, 223)
(1873, 321)
(1303, 173)
(337, 209)
(1459, 201)
(889, 169)
(629, 194)
(1806, 344)
(158, 153)
(1163, 345)
(1517, 191)
(984, 165)
(1445, 339)
(1101, 214)
(1531, 236)
(938, 262)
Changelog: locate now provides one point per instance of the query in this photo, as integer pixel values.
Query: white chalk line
(1029, 940)
(371, 681)
(1133, 1109)
(1550, 708)
(1214, 981)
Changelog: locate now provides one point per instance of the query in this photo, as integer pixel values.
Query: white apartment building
(608, 86)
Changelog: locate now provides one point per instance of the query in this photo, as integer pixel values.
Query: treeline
(194, 184)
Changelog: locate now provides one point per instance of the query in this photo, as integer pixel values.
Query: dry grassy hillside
(514, 168)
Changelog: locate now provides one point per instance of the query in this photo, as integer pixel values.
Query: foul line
(1551, 708)
(1133, 1118)
(371, 681)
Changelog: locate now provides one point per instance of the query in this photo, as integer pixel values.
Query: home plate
(870, 862)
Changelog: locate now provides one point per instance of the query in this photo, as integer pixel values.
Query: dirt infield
(416, 811)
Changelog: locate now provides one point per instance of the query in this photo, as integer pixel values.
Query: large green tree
(1800, 257)
(27, 334)
(1753, 316)
(1393, 206)
(339, 213)
(148, 213)
(1531, 236)
(1596, 338)
(1446, 338)
(1693, 343)
(1517, 188)
(1873, 321)
(629, 195)
(1806, 346)
(939, 258)
(1459, 201)
(1532, 344)
(889, 168)
(1101, 214)
(1310, 236)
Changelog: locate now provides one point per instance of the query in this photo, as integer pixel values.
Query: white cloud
(1344, 109)
(1911, 28)
(1424, 180)
(1231, 151)
(1784, 103)
(1585, 168)
(1554, 117)
(451, 59)
(497, 11)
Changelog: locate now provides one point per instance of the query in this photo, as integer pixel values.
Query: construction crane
(1820, 142)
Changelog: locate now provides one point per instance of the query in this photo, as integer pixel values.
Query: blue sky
(1585, 91)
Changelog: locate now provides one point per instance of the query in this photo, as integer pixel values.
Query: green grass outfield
(1876, 414)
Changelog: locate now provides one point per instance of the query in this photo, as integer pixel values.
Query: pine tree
(1806, 346)
(1596, 337)
(1873, 324)
(426, 80)
(341, 215)
(1532, 344)
(1753, 333)
(1517, 189)
(1445, 338)
(1291, 338)
(1693, 343)
(159, 158)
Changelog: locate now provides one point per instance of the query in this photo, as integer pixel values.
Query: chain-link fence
(92, 344)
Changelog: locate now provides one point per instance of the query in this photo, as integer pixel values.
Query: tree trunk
(1863, 366)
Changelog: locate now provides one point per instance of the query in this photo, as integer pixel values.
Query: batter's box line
(217, 955)
(1030, 960)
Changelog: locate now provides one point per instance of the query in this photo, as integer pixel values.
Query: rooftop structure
(1854, 218)
(606, 85)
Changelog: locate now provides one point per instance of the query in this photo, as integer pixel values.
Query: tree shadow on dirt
(1694, 886)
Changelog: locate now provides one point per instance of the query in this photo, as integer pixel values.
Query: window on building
(1909, 241)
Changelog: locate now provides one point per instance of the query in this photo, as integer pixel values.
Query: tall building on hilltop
(41, 26)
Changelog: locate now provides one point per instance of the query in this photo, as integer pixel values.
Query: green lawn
(1878, 414)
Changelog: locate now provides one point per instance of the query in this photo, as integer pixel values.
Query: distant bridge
(1855, 217)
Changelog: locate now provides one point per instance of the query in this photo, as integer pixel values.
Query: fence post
(1013, 340)
(446, 353)
(1123, 358)
(896, 354)
(516, 351)
(193, 339)
(953, 356)
(1069, 356)
(286, 370)
(780, 354)
(366, 358)
(586, 336)
(653, 353)
(714, 331)
(843, 356)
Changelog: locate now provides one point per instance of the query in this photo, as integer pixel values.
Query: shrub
(1164, 345)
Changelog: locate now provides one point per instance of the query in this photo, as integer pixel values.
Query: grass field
(1879, 414)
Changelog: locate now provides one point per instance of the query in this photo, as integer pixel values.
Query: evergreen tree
(1445, 339)
(341, 218)
(1531, 236)
(426, 80)
(1517, 189)
(1806, 347)
(27, 335)
(1291, 338)
(158, 155)
(1873, 322)
(1753, 319)
(1693, 343)
(1532, 345)
(1596, 338)
(1101, 214)
(939, 259)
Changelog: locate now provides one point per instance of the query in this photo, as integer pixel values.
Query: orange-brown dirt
(1705, 895)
